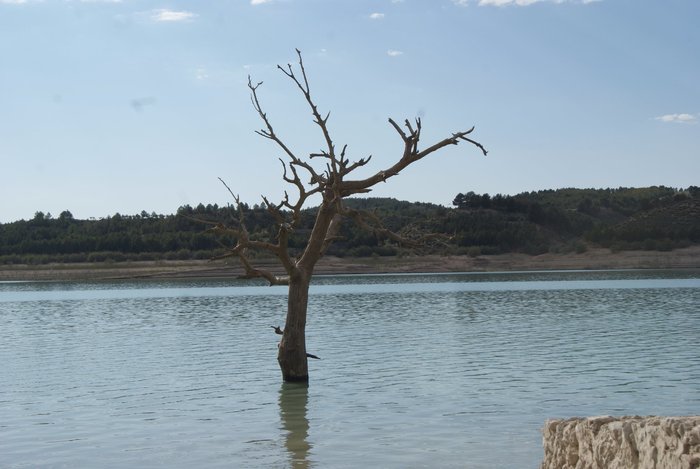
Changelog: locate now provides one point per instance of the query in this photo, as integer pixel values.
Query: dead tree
(326, 175)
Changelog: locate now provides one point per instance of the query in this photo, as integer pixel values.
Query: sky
(120, 106)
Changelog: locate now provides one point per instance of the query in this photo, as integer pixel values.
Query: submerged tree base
(295, 379)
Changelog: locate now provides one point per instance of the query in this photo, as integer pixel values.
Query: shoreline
(593, 259)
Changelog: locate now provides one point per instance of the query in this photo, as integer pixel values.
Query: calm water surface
(457, 370)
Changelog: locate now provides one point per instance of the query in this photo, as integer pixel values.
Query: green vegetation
(564, 220)
(652, 218)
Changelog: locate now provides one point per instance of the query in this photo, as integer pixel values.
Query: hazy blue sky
(131, 105)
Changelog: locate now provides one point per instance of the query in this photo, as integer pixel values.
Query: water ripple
(415, 371)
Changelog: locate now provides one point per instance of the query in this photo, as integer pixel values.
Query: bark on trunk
(292, 348)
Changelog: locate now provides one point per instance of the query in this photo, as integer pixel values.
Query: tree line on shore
(563, 220)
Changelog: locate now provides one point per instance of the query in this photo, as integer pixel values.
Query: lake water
(457, 370)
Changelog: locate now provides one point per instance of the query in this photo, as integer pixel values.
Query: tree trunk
(292, 348)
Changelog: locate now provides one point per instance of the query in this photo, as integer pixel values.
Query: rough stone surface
(622, 443)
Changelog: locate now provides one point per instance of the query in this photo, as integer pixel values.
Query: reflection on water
(417, 371)
(293, 400)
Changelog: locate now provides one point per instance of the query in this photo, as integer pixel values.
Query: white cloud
(376, 16)
(259, 2)
(23, 2)
(678, 118)
(165, 15)
(522, 3)
(500, 3)
(393, 53)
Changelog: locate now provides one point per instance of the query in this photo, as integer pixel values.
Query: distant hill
(674, 224)
(563, 220)
(559, 220)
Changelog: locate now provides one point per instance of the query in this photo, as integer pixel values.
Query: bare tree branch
(318, 120)
(252, 272)
(332, 233)
(244, 243)
(372, 222)
(410, 155)
(331, 184)
(270, 134)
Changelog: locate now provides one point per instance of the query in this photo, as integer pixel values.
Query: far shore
(593, 259)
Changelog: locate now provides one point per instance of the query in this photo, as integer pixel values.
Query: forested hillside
(564, 220)
(654, 218)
